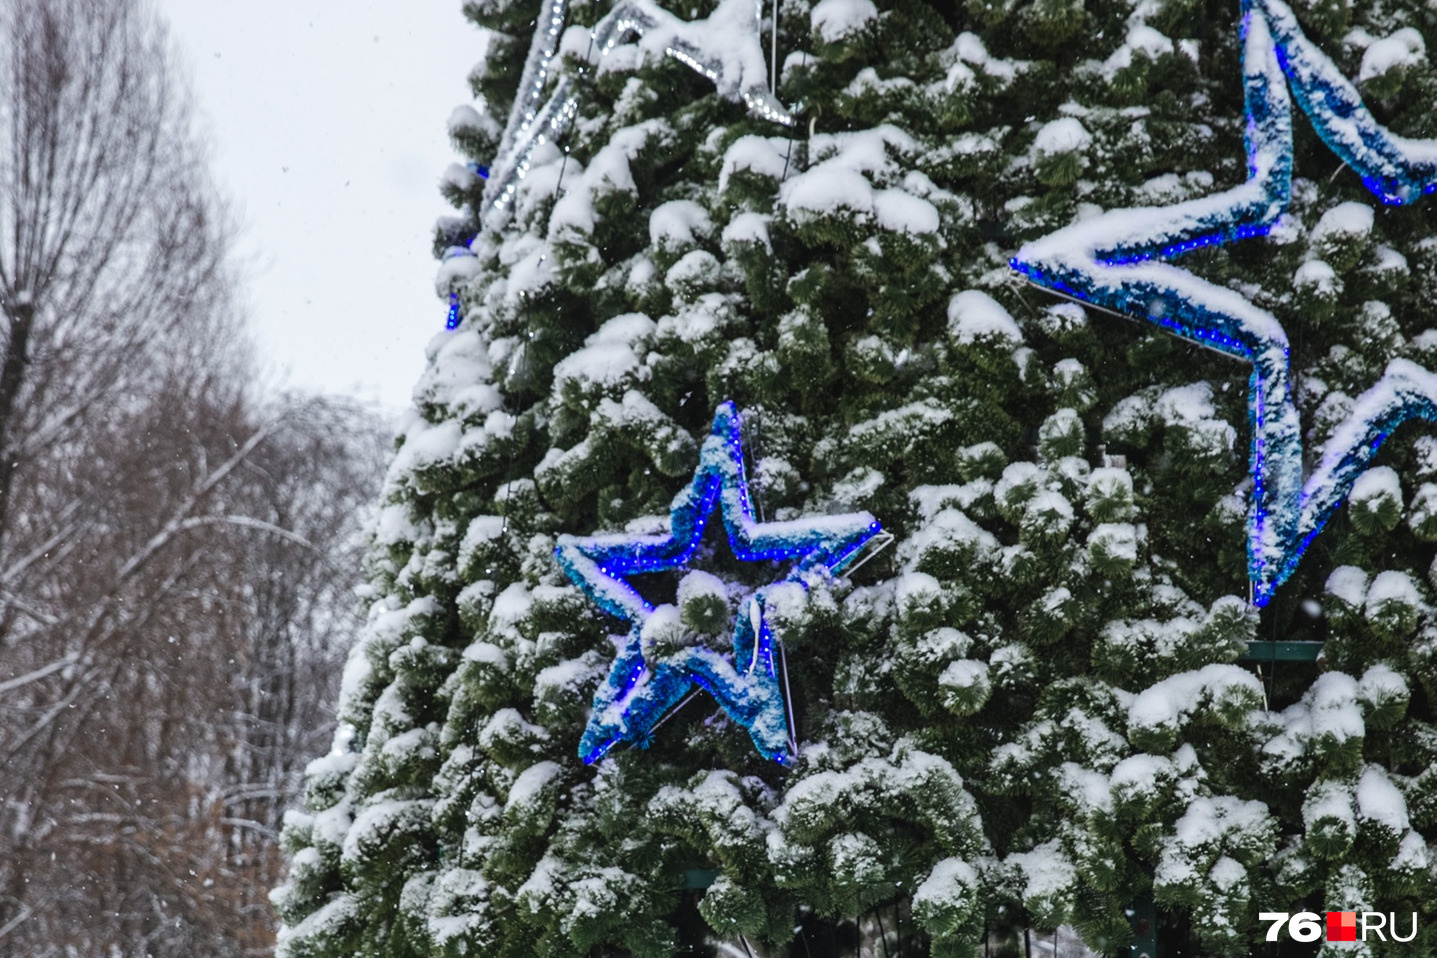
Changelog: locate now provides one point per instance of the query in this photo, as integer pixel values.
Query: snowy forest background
(179, 545)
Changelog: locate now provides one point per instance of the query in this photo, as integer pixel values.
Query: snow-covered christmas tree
(880, 460)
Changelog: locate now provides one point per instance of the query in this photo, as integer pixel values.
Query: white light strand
(686, 41)
(542, 50)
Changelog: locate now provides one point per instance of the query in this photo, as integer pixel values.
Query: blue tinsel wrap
(637, 693)
(1113, 261)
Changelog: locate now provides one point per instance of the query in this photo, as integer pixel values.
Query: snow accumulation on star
(1112, 260)
(643, 685)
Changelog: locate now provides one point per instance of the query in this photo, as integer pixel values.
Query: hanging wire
(871, 548)
(756, 494)
(793, 139)
(1113, 312)
(668, 715)
(509, 403)
(882, 933)
(803, 937)
(562, 167)
(788, 701)
(753, 452)
(512, 410)
(773, 56)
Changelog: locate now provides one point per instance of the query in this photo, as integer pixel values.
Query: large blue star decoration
(1114, 261)
(639, 692)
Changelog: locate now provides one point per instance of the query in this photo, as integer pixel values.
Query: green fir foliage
(1032, 710)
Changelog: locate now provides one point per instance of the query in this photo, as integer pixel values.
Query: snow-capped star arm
(1125, 236)
(1406, 392)
(724, 46)
(549, 124)
(1395, 168)
(1110, 261)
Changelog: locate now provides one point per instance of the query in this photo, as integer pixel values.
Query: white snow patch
(951, 883)
(1380, 684)
(1064, 135)
(1348, 584)
(1379, 482)
(833, 20)
(973, 314)
(1141, 39)
(1169, 703)
(1329, 710)
(678, 222)
(529, 786)
(827, 188)
(1379, 800)
(748, 228)
(1393, 586)
(764, 155)
(1405, 48)
(901, 212)
(1344, 220)
(1315, 276)
(1048, 873)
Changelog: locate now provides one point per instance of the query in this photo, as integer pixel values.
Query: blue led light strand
(1113, 261)
(637, 694)
(452, 322)
(1406, 392)
(1397, 169)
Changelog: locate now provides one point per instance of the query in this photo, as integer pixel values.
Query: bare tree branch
(37, 674)
(175, 556)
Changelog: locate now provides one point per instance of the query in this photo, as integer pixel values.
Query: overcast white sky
(327, 121)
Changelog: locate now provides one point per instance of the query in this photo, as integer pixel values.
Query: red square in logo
(1342, 926)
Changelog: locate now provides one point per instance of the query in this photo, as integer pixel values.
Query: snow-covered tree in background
(1030, 711)
(177, 549)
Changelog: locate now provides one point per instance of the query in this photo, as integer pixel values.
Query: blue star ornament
(640, 690)
(1117, 261)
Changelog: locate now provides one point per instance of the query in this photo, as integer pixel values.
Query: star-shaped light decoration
(1113, 261)
(745, 682)
(725, 47)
